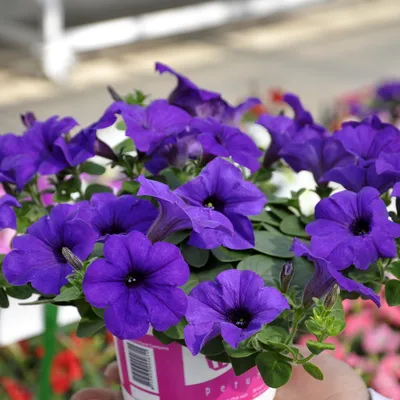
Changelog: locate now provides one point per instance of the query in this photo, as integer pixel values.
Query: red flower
(259, 109)
(276, 95)
(14, 390)
(66, 369)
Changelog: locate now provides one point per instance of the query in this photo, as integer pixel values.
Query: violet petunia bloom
(175, 215)
(368, 138)
(113, 215)
(353, 228)
(389, 91)
(174, 151)
(8, 218)
(317, 155)
(325, 276)
(235, 306)
(137, 283)
(220, 187)
(48, 143)
(355, 178)
(37, 256)
(18, 164)
(226, 141)
(204, 103)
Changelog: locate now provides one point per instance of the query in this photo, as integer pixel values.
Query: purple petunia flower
(389, 91)
(221, 188)
(8, 218)
(37, 256)
(175, 215)
(137, 283)
(367, 139)
(17, 166)
(325, 276)
(173, 151)
(225, 141)
(317, 155)
(355, 178)
(204, 103)
(236, 306)
(353, 228)
(119, 215)
(48, 144)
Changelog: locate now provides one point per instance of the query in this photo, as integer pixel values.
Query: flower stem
(297, 317)
(49, 344)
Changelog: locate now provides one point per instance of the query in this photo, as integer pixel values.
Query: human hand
(341, 382)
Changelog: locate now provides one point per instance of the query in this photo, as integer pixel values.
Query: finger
(112, 373)
(97, 394)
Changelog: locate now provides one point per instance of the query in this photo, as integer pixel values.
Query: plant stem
(49, 344)
(297, 317)
(306, 359)
(32, 190)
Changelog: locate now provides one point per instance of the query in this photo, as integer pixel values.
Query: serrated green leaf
(96, 188)
(313, 370)
(92, 169)
(4, 303)
(223, 254)
(392, 292)
(194, 256)
(291, 225)
(318, 348)
(88, 327)
(68, 294)
(273, 244)
(274, 371)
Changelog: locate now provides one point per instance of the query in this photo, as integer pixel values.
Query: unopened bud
(286, 276)
(332, 296)
(114, 94)
(28, 119)
(72, 259)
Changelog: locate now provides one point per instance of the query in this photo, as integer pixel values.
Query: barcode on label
(142, 368)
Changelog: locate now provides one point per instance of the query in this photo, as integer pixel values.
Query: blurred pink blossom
(6, 236)
(358, 323)
(381, 339)
(43, 184)
(387, 377)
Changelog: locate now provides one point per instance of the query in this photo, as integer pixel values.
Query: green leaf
(267, 267)
(88, 327)
(273, 244)
(243, 350)
(221, 358)
(318, 348)
(97, 250)
(314, 328)
(203, 274)
(68, 294)
(394, 268)
(265, 217)
(99, 312)
(20, 292)
(392, 291)
(125, 146)
(131, 187)
(213, 347)
(92, 168)
(162, 337)
(280, 212)
(194, 256)
(121, 126)
(369, 275)
(336, 327)
(4, 303)
(176, 331)
(271, 333)
(96, 188)
(303, 272)
(291, 225)
(337, 310)
(242, 365)
(313, 370)
(274, 371)
(223, 254)
(177, 237)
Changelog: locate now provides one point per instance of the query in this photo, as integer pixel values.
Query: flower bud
(332, 296)
(286, 276)
(72, 259)
(28, 119)
(114, 94)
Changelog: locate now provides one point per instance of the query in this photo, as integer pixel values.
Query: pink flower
(382, 339)
(386, 380)
(390, 314)
(6, 235)
(359, 323)
(359, 362)
(43, 184)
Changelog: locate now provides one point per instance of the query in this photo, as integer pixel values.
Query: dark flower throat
(241, 318)
(361, 226)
